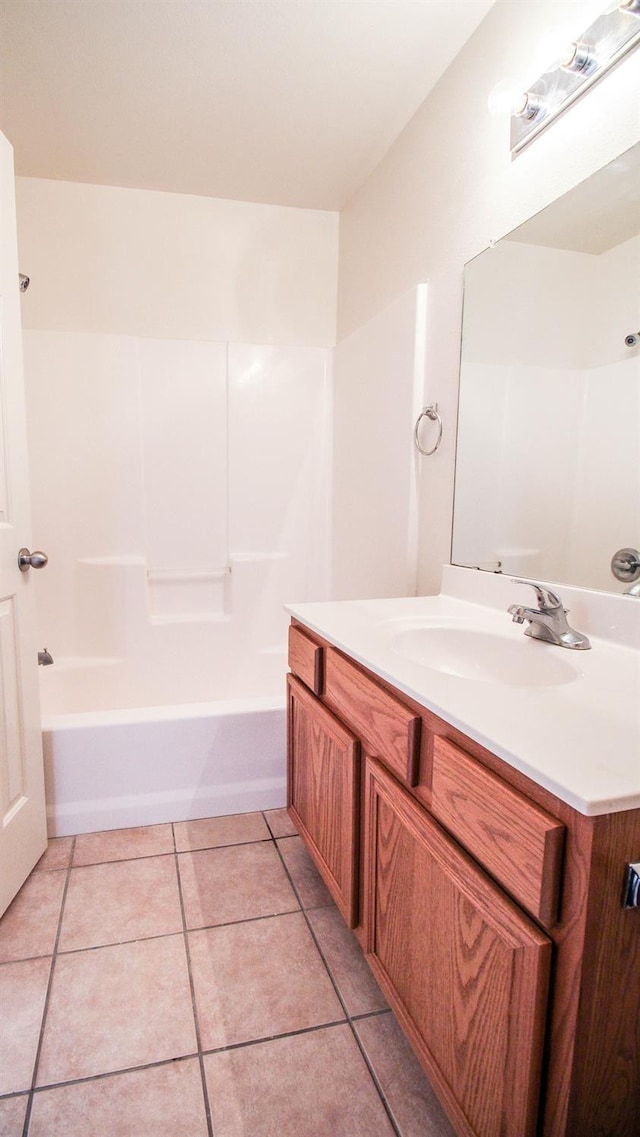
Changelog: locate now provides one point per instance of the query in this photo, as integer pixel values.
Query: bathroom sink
(486, 657)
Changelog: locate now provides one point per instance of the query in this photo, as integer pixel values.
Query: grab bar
(169, 574)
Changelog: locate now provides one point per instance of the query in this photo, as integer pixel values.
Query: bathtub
(127, 765)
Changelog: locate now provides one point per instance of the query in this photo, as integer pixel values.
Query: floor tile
(122, 900)
(314, 1084)
(344, 958)
(57, 855)
(412, 1101)
(311, 888)
(12, 1115)
(241, 882)
(280, 823)
(165, 1101)
(30, 924)
(259, 979)
(115, 1007)
(123, 844)
(23, 989)
(212, 832)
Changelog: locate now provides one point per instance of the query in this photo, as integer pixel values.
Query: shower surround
(181, 490)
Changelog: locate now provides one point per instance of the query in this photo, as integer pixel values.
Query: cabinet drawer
(387, 728)
(305, 659)
(516, 841)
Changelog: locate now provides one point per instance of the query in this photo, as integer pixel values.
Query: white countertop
(579, 738)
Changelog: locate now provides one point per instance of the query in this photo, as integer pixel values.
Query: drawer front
(516, 841)
(387, 728)
(305, 659)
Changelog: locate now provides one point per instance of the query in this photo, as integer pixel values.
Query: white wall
(175, 266)
(449, 186)
(178, 378)
(378, 381)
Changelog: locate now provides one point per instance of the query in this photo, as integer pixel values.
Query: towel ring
(430, 412)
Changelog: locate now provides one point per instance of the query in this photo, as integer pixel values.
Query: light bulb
(505, 97)
(549, 49)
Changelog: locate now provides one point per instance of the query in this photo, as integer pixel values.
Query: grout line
(203, 1077)
(123, 860)
(116, 1073)
(14, 1094)
(275, 1037)
(157, 936)
(227, 845)
(169, 852)
(47, 998)
(349, 1018)
(371, 1014)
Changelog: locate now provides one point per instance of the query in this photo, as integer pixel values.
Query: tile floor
(195, 979)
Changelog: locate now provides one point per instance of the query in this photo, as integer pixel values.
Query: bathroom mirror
(548, 453)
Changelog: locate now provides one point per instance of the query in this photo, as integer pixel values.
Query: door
(22, 805)
(323, 793)
(464, 969)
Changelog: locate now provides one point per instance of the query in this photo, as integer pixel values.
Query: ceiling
(290, 102)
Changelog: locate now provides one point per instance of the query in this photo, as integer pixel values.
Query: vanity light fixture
(580, 65)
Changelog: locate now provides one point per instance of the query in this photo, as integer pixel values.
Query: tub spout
(44, 658)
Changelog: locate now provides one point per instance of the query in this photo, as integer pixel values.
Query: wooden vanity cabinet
(488, 909)
(466, 972)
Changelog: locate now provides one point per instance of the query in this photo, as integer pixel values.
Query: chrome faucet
(548, 621)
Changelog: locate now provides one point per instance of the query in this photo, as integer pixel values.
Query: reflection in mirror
(548, 454)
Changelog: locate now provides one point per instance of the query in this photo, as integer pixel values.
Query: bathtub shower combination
(185, 499)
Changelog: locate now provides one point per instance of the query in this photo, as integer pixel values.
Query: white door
(22, 805)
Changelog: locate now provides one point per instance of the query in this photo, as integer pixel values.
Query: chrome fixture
(625, 566)
(548, 621)
(44, 658)
(530, 108)
(583, 62)
(430, 412)
(632, 339)
(23, 281)
(27, 560)
(631, 892)
(578, 57)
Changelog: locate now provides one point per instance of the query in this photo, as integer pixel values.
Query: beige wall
(448, 187)
(175, 266)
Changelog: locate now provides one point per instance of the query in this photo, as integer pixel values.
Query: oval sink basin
(485, 657)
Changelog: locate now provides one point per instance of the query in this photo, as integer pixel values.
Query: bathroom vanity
(480, 864)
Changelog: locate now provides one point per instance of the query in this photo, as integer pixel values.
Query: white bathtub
(140, 765)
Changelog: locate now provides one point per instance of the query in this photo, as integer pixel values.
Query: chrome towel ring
(430, 412)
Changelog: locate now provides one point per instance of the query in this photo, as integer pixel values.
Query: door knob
(27, 560)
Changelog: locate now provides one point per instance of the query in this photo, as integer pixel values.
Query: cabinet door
(464, 969)
(323, 793)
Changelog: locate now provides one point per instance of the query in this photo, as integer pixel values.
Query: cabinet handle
(631, 895)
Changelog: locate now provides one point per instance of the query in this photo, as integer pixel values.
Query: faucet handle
(545, 597)
(517, 612)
